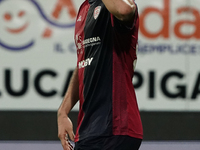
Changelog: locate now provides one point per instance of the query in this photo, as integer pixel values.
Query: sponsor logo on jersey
(79, 19)
(91, 40)
(87, 42)
(84, 63)
(97, 11)
(78, 41)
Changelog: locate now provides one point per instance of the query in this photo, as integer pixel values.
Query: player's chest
(90, 20)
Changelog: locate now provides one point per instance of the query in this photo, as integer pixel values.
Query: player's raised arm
(121, 9)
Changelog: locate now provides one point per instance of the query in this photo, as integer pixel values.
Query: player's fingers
(65, 145)
(68, 144)
(71, 135)
(64, 142)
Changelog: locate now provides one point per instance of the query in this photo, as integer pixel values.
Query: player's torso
(105, 63)
(93, 39)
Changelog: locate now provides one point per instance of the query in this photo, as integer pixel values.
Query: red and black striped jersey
(106, 51)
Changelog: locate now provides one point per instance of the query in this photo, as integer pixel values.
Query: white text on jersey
(91, 40)
(84, 63)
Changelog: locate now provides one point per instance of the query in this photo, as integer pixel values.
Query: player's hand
(65, 131)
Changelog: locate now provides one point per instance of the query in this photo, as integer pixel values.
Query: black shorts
(117, 142)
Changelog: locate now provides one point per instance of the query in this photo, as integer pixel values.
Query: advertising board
(38, 54)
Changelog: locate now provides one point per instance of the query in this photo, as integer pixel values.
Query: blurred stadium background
(38, 55)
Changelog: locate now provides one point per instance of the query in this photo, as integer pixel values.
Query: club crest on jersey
(97, 11)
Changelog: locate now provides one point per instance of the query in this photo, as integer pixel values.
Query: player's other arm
(123, 10)
(71, 97)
